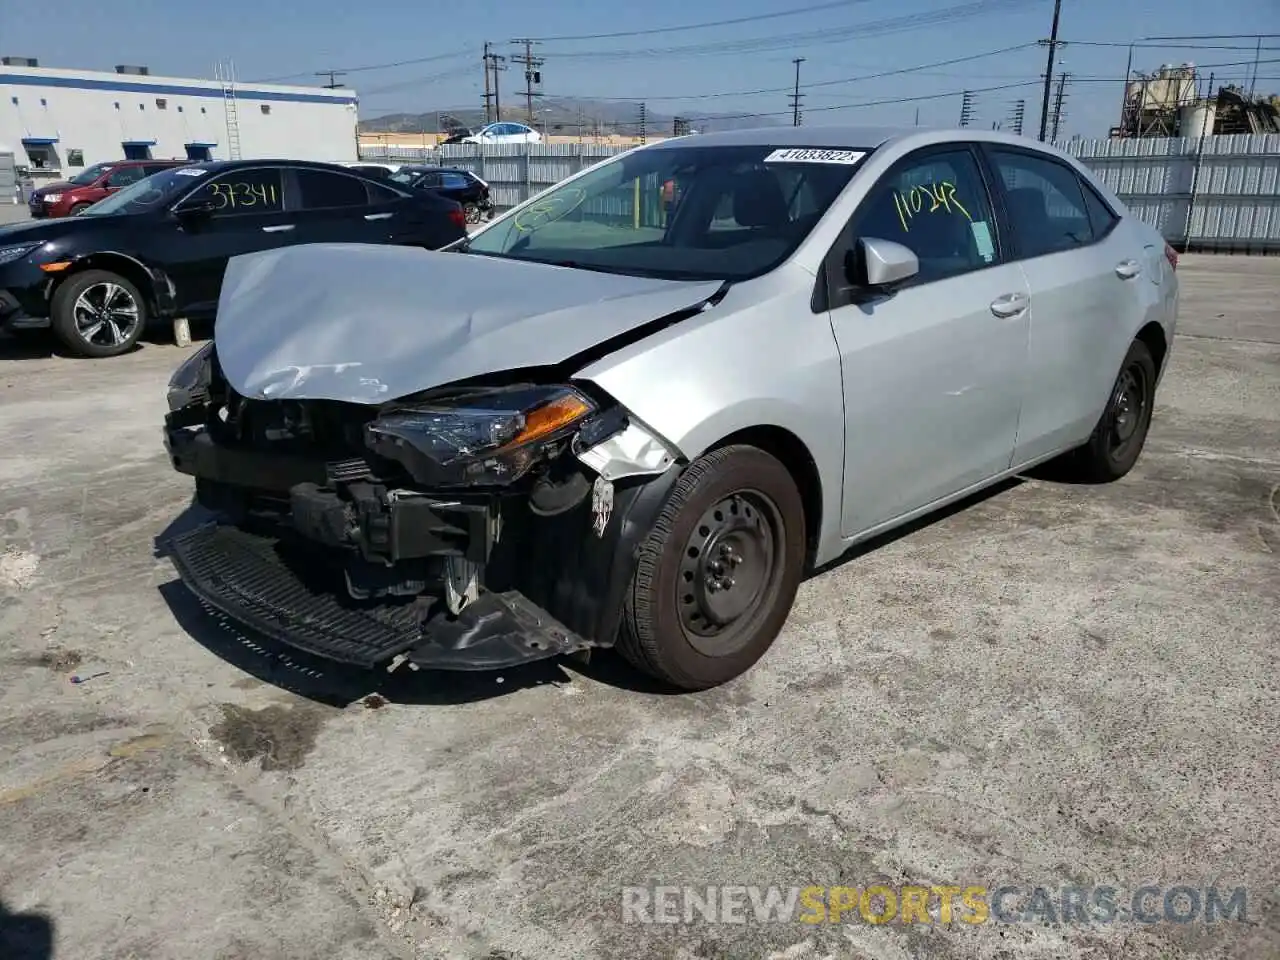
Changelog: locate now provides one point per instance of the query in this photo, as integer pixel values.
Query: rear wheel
(718, 574)
(97, 313)
(1117, 440)
(472, 212)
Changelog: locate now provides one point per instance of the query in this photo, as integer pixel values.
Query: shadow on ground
(25, 936)
(336, 684)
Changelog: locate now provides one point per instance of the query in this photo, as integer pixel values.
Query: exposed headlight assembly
(490, 436)
(16, 251)
(190, 382)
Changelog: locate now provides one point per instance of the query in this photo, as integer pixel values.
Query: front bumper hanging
(253, 579)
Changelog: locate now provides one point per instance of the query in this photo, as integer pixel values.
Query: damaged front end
(465, 528)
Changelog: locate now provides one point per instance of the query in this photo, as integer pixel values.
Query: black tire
(93, 327)
(79, 208)
(676, 595)
(1118, 439)
(472, 212)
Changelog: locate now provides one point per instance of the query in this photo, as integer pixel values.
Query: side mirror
(880, 265)
(196, 209)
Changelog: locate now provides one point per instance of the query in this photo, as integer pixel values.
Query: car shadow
(25, 936)
(42, 345)
(326, 681)
(920, 523)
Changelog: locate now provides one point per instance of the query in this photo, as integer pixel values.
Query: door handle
(1010, 305)
(281, 228)
(1128, 269)
(378, 216)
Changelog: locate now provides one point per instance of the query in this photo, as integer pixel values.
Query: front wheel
(1117, 440)
(717, 575)
(97, 313)
(78, 209)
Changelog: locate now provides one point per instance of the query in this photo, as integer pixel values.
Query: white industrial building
(57, 122)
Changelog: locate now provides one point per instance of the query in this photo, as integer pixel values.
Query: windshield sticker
(982, 237)
(189, 172)
(927, 198)
(797, 155)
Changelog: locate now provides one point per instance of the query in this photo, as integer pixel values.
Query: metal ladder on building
(226, 76)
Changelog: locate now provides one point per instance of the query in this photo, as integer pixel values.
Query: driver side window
(243, 192)
(937, 206)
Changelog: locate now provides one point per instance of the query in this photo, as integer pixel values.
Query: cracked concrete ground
(1055, 685)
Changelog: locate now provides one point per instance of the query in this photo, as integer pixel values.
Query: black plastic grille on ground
(243, 576)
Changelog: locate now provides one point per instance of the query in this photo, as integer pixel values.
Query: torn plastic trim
(635, 451)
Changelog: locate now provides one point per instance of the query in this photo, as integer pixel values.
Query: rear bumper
(323, 557)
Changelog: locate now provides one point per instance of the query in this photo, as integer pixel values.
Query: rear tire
(472, 212)
(97, 313)
(718, 573)
(1118, 439)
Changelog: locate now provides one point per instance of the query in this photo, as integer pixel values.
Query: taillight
(458, 218)
(1171, 255)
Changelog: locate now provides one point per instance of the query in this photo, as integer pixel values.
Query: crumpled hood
(365, 323)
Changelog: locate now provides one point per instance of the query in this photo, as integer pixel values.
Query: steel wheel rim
(105, 314)
(1129, 403)
(728, 570)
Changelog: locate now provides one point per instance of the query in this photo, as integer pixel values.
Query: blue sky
(850, 40)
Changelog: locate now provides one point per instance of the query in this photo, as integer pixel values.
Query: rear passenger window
(1046, 203)
(321, 189)
(379, 194)
(937, 206)
(454, 181)
(1101, 217)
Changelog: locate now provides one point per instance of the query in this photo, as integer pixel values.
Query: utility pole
(1053, 43)
(333, 76)
(1058, 100)
(966, 109)
(795, 95)
(532, 73)
(488, 94)
(643, 118)
(1018, 116)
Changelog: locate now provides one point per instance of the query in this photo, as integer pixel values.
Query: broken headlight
(490, 436)
(190, 382)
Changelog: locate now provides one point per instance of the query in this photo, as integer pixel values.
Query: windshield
(149, 193)
(679, 212)
(86, 177)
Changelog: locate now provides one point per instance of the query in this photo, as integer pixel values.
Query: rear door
(251, 214)
(1086, 283)
(336, 207)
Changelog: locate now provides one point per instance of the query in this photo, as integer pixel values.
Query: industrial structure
(57, 122)
(1170, 102)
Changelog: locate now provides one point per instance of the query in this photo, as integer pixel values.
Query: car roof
(220, 166)
(851, 137)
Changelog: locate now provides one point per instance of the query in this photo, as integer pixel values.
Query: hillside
(562, 116)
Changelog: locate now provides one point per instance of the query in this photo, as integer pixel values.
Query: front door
(250, 214)
(931, 372)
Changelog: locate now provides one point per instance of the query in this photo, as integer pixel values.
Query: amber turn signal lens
(55, 267)
(550, 417)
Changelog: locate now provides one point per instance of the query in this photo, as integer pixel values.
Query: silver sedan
(635, 410)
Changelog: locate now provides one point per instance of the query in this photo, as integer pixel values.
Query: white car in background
(505, 132)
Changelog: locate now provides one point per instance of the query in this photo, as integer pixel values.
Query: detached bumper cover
(248, 578)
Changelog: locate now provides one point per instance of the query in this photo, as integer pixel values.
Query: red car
(68, 197)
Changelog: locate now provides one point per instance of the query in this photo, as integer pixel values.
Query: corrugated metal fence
(1218, 193)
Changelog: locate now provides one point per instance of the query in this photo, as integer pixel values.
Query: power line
(875, 103)
(435, 58)
(959, 12)
(794, 12)
(829, 83)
